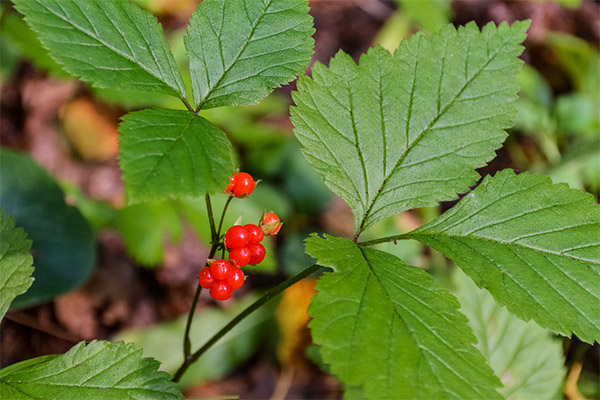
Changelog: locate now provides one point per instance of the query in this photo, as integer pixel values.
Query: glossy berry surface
(237, 236)
(205, 279)
(257, 253)
(241, 256)
(270, 223)
(221, 291)
(219, 269)
(255, 234)
(244, 185)
(235, 279)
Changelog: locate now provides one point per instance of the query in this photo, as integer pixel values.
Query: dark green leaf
(407, 131)
(63, 244)
(109, 43)
(172, 153)
(99, 370)
(533, 245)
(15, 262)
(392, 330)
(240, 50)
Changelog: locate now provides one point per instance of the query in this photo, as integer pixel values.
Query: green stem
(270, 294)
(223, 216)
(384, 240)
(187, 104)
(211, 220)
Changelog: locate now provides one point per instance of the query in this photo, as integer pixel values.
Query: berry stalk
(270, 294)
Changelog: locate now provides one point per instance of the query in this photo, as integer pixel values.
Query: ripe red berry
(255, 234)
(236, 278)
(241, 256)
(244, 185)
(221, 291)
(219, 269)
(231, 185)
(237, 236)
(270, 223)
(205, 279)
(257, 253)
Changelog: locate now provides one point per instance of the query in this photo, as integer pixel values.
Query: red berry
(255, 234)
(237, 236)
(244, 185)
(270, 223)
(219, 269)
(241, 256)
(257, 253)
(205, 279)
(236, 278)
(231, 185)
(221, 291)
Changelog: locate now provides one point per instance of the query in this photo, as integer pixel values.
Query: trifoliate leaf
(407, 131)
(534, 245)
(526, 357)
(99, 370)
(15, 262)
(172, 153)
(392, 330)
(240, 50)
(109, 43)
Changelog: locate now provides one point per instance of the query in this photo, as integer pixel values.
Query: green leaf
(533, 245)
(109, 43)
(432, 15)
(146, 229)
(99, 370)
(63, 242)
(172, 153)
(407, 131)
(164, 341)
(240, 50)
(392, 330)
(528, 360)
(15, 262)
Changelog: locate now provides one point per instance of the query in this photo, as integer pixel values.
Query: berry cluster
(222, 277)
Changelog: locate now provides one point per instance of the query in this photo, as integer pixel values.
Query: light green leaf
(99, 370)
(527, 359)
(240, 50)
(392, 330)
(146, 229)
(172, 153)
(431, 15)
(164, 341)
(533, 245)
(109, 43)
(407, 131)
(15, 262)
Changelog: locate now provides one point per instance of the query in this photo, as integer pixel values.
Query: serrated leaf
(172, 153)
(407, 131)
(527, 359)
(109, 43)
(240, 50)
(15, 262)
(99, 370)
(63, 242)
(533, 245)
(391, 330)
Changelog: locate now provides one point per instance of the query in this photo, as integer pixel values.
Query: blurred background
(105, 270)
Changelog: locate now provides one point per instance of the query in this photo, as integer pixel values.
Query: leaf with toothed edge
(109, 43)
(98, 370)
(388, 330)
(533, 245)
(406, 131)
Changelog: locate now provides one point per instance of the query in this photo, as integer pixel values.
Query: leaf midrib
(160, 78)
(412, 145)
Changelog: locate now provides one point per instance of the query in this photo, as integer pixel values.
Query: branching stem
(384, 240)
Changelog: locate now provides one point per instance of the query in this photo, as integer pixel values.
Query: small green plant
(392, 133)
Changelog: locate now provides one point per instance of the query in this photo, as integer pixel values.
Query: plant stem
(384, 240)
(270, 294)
(187, 104)
(211, 221)
(223, 216)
